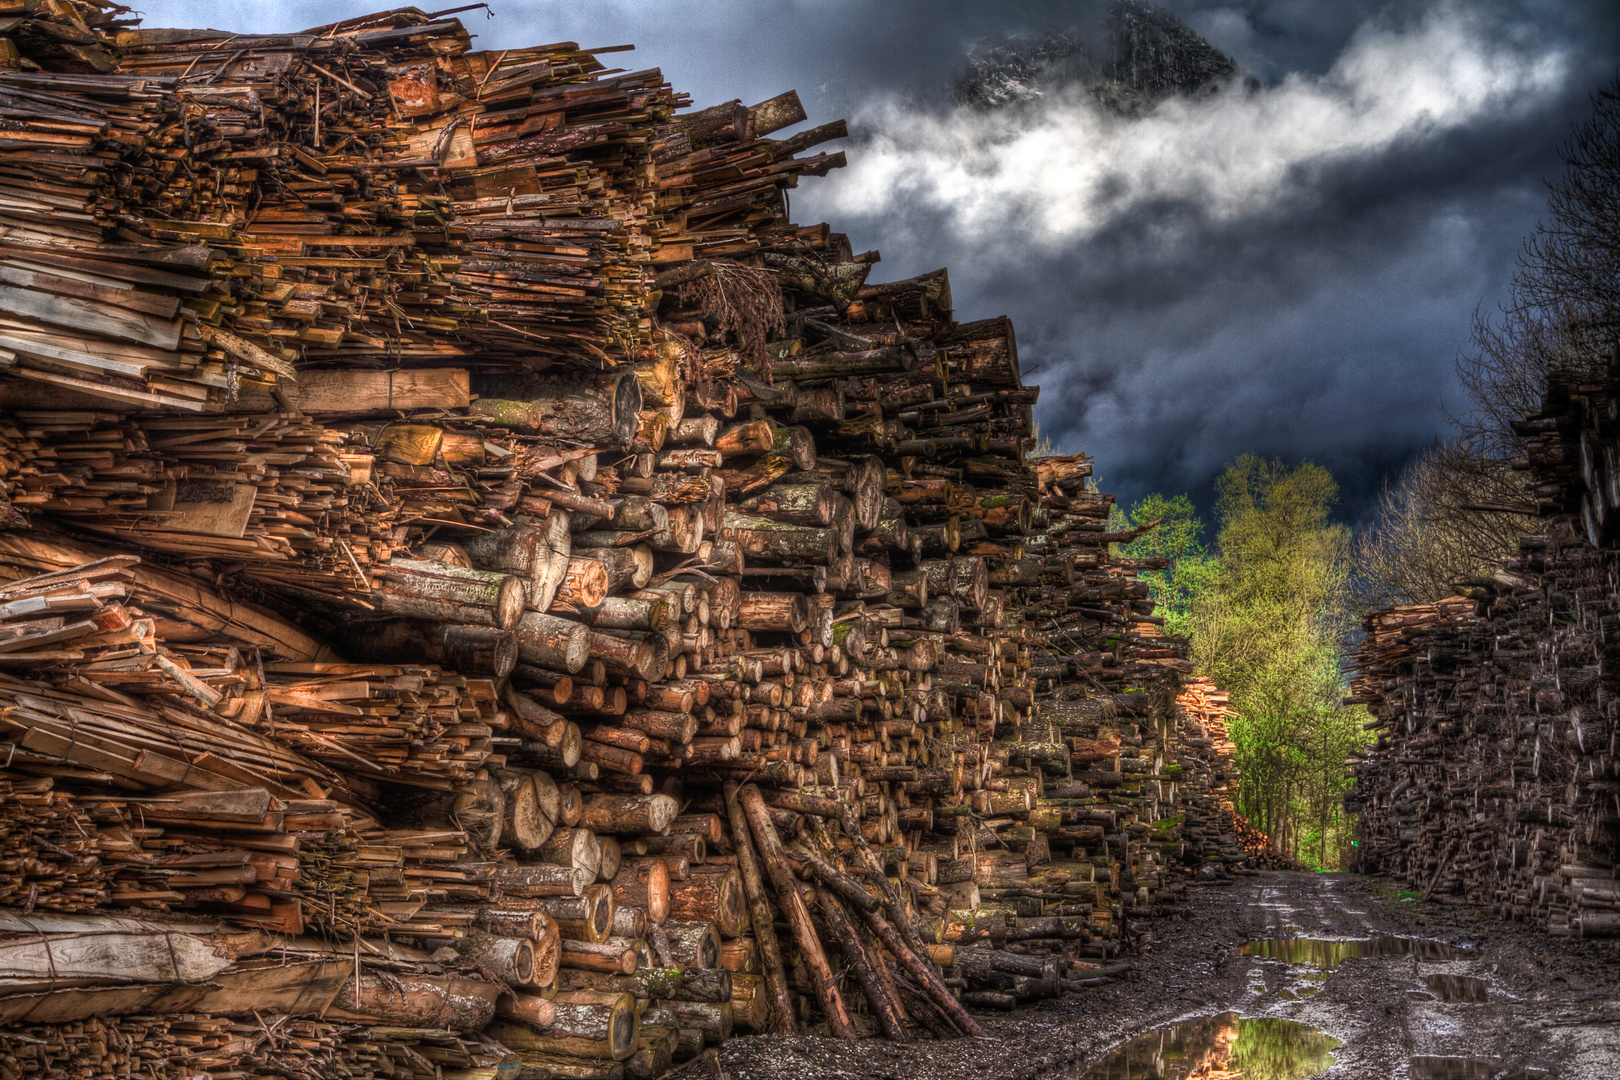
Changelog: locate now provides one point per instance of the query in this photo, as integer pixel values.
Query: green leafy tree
(1270, 625)
(1178, 540)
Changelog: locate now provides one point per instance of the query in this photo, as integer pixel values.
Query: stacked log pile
(1493, 778)
(511, 602)
(1217, 835)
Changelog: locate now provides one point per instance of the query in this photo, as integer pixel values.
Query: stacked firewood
(523, 602)
(186, 225)
(1207, 775)
(1493, 779)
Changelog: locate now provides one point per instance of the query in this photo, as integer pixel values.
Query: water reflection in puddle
(1453, 989)
(1223, 1045)
(1322, 953)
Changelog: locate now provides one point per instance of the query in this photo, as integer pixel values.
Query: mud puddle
(1226, 1044)
(1328, 954)
(1459, 989)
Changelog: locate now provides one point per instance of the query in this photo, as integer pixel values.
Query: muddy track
(1551, 1007)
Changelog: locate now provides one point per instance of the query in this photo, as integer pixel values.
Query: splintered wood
(482, 593)
(1493, 779)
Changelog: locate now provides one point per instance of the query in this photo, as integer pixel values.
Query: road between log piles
(1551, 1007)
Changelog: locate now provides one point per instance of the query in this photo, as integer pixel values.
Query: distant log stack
(480, 590)
(1493, 780)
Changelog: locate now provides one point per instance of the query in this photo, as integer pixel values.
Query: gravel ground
(1551, 1007)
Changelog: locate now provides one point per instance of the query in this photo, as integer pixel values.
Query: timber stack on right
(1493, 781)
(484, 594)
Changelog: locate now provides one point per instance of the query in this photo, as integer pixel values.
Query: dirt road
(1550, 1007)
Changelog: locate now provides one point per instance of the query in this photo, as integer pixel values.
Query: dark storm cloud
(1288, 271)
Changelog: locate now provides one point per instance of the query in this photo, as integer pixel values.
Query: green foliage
(1267, 613)
(1272, 1049)
(1269, 625)
(1178, 539)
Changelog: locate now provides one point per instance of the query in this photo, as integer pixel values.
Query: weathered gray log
(763, 538)
(552, 642)
(595, 408)
(440, 592)
(537, 553)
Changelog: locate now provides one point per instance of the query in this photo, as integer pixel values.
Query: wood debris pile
(1493, 780)
(524, 607)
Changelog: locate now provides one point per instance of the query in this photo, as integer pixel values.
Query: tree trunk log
(537, 554)
(529, 820)
(627, 567)
(440, 592)
(587, 917)
(584, 584)
(600, 409)
(882, 1004)
(553, 643)
(586, 1023)
(714, 897)
(442, 1001)
(572, 847)
(787, 613)
(759, 910)
(629, 815)
(763, 538)
(644, 883)
(798, 916)
(693, 944)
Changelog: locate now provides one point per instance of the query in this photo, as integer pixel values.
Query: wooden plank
(360, 393)
(83, 314)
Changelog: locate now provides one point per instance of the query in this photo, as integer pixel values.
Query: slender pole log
(874, 947)
(787, 895)
(926, 1012)
(875, 873)
(925, 973)
(759, 910)
(836, 880)
(883, 1006)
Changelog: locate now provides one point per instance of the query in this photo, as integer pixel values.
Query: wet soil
(1551, 1006)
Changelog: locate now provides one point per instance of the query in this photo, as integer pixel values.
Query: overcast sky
(1289, 271)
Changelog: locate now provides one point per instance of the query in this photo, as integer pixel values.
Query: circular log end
(509, 602)
(731, 916)
(524, 968)
(577, 648)
(708, 949)
(599, 917)
(643, 556)
(623, 1026)
(573, 744)
(627, 405)
(657, 891)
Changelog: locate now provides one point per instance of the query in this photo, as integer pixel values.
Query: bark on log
(535, 553)
(792, 904)
(440, 592)
(551, 642)
(882, 1003)
(595, 409)
(629, 815)
(644, 883)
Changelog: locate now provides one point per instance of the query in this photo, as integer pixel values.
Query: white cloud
(1060, 170)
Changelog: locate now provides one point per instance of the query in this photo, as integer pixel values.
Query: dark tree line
(1458, 507)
